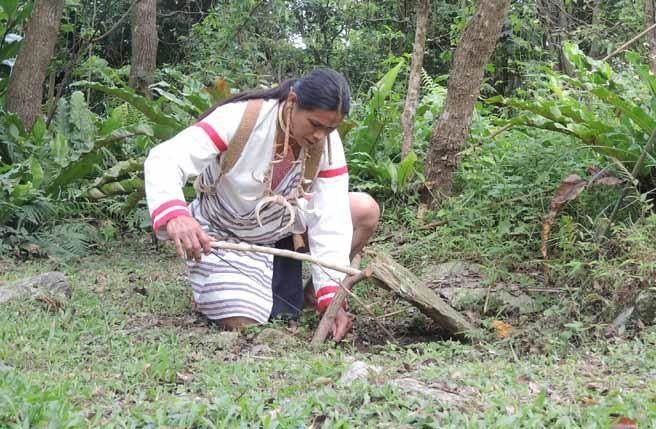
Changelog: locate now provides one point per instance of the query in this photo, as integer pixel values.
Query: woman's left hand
(342, 325)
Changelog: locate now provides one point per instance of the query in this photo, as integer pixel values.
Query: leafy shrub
(611, 112)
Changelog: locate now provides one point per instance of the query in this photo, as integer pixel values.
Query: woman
(292, 132)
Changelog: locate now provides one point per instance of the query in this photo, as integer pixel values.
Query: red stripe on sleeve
(166, 205)
(167, 217)
(326, 290)
(213, 135)
(326, 174)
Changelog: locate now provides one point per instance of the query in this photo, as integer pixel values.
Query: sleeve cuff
(167, 211)
(325, 296)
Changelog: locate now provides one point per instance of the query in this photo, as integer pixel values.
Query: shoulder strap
(229, 158)
(313, 161)
(243, 133)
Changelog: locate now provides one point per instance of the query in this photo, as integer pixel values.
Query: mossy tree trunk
(452, 128)
(25, 87)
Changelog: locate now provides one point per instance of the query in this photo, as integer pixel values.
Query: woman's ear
(291, 97)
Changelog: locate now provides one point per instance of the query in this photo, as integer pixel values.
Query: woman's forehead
(327, 118)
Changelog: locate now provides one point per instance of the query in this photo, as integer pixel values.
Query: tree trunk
(562, 34)
(25, 88)
(555, 21)
(452, 128)
(650, 19)
(143, 25)
(414, 82)
(595, 45)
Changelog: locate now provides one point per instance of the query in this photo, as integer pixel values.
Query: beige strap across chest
(228, 159)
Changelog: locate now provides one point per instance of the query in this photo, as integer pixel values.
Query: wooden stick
(328, 318)
(245, 247)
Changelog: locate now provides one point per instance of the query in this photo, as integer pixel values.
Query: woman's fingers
(205, 241)
(343, 324)
(195, 247)
(178, 247)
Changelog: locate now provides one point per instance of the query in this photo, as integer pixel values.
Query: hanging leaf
(570, 188)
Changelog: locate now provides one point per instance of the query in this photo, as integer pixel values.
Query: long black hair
(323, 88)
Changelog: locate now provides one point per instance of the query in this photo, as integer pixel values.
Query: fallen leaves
(502, 329)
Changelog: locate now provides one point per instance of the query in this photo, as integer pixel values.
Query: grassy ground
(126, 351)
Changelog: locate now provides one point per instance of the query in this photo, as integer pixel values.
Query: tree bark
(650, 19)
(25, 87)
(452, 128)
(143, 25)
(414, 82)
(393, 276)
(595, 45)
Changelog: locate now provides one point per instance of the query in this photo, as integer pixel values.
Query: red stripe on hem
(213, 135)
(167, 217)
(326, 290)
(166, 205)
(326, 174)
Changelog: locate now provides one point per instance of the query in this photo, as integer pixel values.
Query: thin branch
(117, 24)
(624, 46)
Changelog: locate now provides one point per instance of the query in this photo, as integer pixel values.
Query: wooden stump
(44, 284)
(393, 276)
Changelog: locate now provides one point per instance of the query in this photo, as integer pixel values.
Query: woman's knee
(236, 323)
(365, 211)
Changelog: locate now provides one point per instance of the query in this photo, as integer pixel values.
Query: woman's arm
(329, 227)
(172, 162)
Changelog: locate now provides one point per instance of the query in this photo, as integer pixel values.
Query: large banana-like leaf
(164, 126)
(90, 159)
(121, 187)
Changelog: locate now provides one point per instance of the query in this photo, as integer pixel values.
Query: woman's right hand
(189, 237)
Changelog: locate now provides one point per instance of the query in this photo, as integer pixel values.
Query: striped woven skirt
(258, 286)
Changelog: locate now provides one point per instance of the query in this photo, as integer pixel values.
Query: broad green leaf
(165, 127)
(59, 149)
(9, 7)
(406, 169)
(37, 172)
(90, 160)
(628, 108)
(38, 131)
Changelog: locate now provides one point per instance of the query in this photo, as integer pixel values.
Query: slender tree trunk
(414, 82)
(563, 33)
(554, 19)
(595, 46)
(143, 24)
(452, 128)
(25, 88)
(650, 19)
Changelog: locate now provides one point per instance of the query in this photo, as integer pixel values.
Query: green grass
(115, 357)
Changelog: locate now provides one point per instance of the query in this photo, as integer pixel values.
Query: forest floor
(126, 351)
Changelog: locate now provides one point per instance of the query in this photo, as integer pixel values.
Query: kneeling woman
(269, 164)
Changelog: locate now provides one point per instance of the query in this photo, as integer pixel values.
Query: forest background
(516, 136)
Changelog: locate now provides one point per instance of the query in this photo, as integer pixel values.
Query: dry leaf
(569, 189)
(589, 401)
(502, 328)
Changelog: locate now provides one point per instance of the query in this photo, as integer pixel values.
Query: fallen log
(44, 284)
(393, 276)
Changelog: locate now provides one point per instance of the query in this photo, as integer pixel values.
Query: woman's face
(310, 127)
